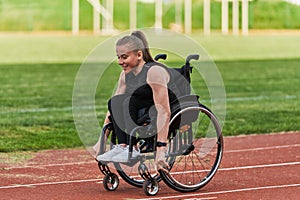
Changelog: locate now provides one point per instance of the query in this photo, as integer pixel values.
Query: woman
(143, 83)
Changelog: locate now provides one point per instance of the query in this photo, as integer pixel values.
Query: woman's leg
(115, 107)
(123, 118)
(137, 111)
(130, 116)
(124, 115)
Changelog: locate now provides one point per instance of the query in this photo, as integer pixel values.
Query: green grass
(280, 14)
(262, 96)
(36, 101)
(36, 105)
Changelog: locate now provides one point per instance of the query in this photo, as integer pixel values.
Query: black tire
(195, 151)
(130, 174)
(151, 187)
(111, 182)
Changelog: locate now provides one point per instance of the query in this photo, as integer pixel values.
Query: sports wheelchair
(195, 146)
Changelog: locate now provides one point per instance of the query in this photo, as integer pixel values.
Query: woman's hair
(135, 42)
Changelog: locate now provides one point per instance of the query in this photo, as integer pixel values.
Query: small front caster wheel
(111, 182)
(150, 187)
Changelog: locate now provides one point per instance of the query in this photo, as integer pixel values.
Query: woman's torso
(137, 86)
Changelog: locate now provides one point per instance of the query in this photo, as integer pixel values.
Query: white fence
(106, 11)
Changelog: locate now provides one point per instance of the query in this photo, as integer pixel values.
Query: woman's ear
(140, 55)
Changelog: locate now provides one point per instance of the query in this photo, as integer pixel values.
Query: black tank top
(137, 86)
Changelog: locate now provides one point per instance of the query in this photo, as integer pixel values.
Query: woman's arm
(120, 90)
(121, 84)
(158, 79)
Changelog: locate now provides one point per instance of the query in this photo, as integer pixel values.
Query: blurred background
(56, 15)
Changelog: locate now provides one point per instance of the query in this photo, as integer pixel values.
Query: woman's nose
(120, 61)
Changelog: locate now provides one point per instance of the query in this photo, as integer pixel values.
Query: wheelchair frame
(195, 148)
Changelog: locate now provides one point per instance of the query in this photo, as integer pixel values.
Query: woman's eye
(123, 57)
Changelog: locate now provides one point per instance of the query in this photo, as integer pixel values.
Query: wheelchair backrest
(181, 75)
(182, 81)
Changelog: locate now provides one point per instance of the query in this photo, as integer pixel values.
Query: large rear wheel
(195, 149)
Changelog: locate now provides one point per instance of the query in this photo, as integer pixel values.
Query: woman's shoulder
(151, 64)
(157, 71)
(156, 67)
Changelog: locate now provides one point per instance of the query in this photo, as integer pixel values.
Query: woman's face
(127, 59)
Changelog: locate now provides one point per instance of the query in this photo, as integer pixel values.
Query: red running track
(253, 167)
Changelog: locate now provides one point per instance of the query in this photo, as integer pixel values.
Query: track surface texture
(264, 166)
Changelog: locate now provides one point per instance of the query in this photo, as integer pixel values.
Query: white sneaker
(107, 156)
(123, 155)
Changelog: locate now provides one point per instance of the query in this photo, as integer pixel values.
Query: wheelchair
(195, 147)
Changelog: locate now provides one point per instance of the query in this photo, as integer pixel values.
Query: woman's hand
(160, 159)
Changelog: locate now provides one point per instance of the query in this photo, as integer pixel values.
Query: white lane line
(48, 183)
(242, 167)
(50, 165)
(259, 166)
(262, 148)
(90, 180)
(90, 162)
(225, 191)
(52, 109)
(205, 198)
